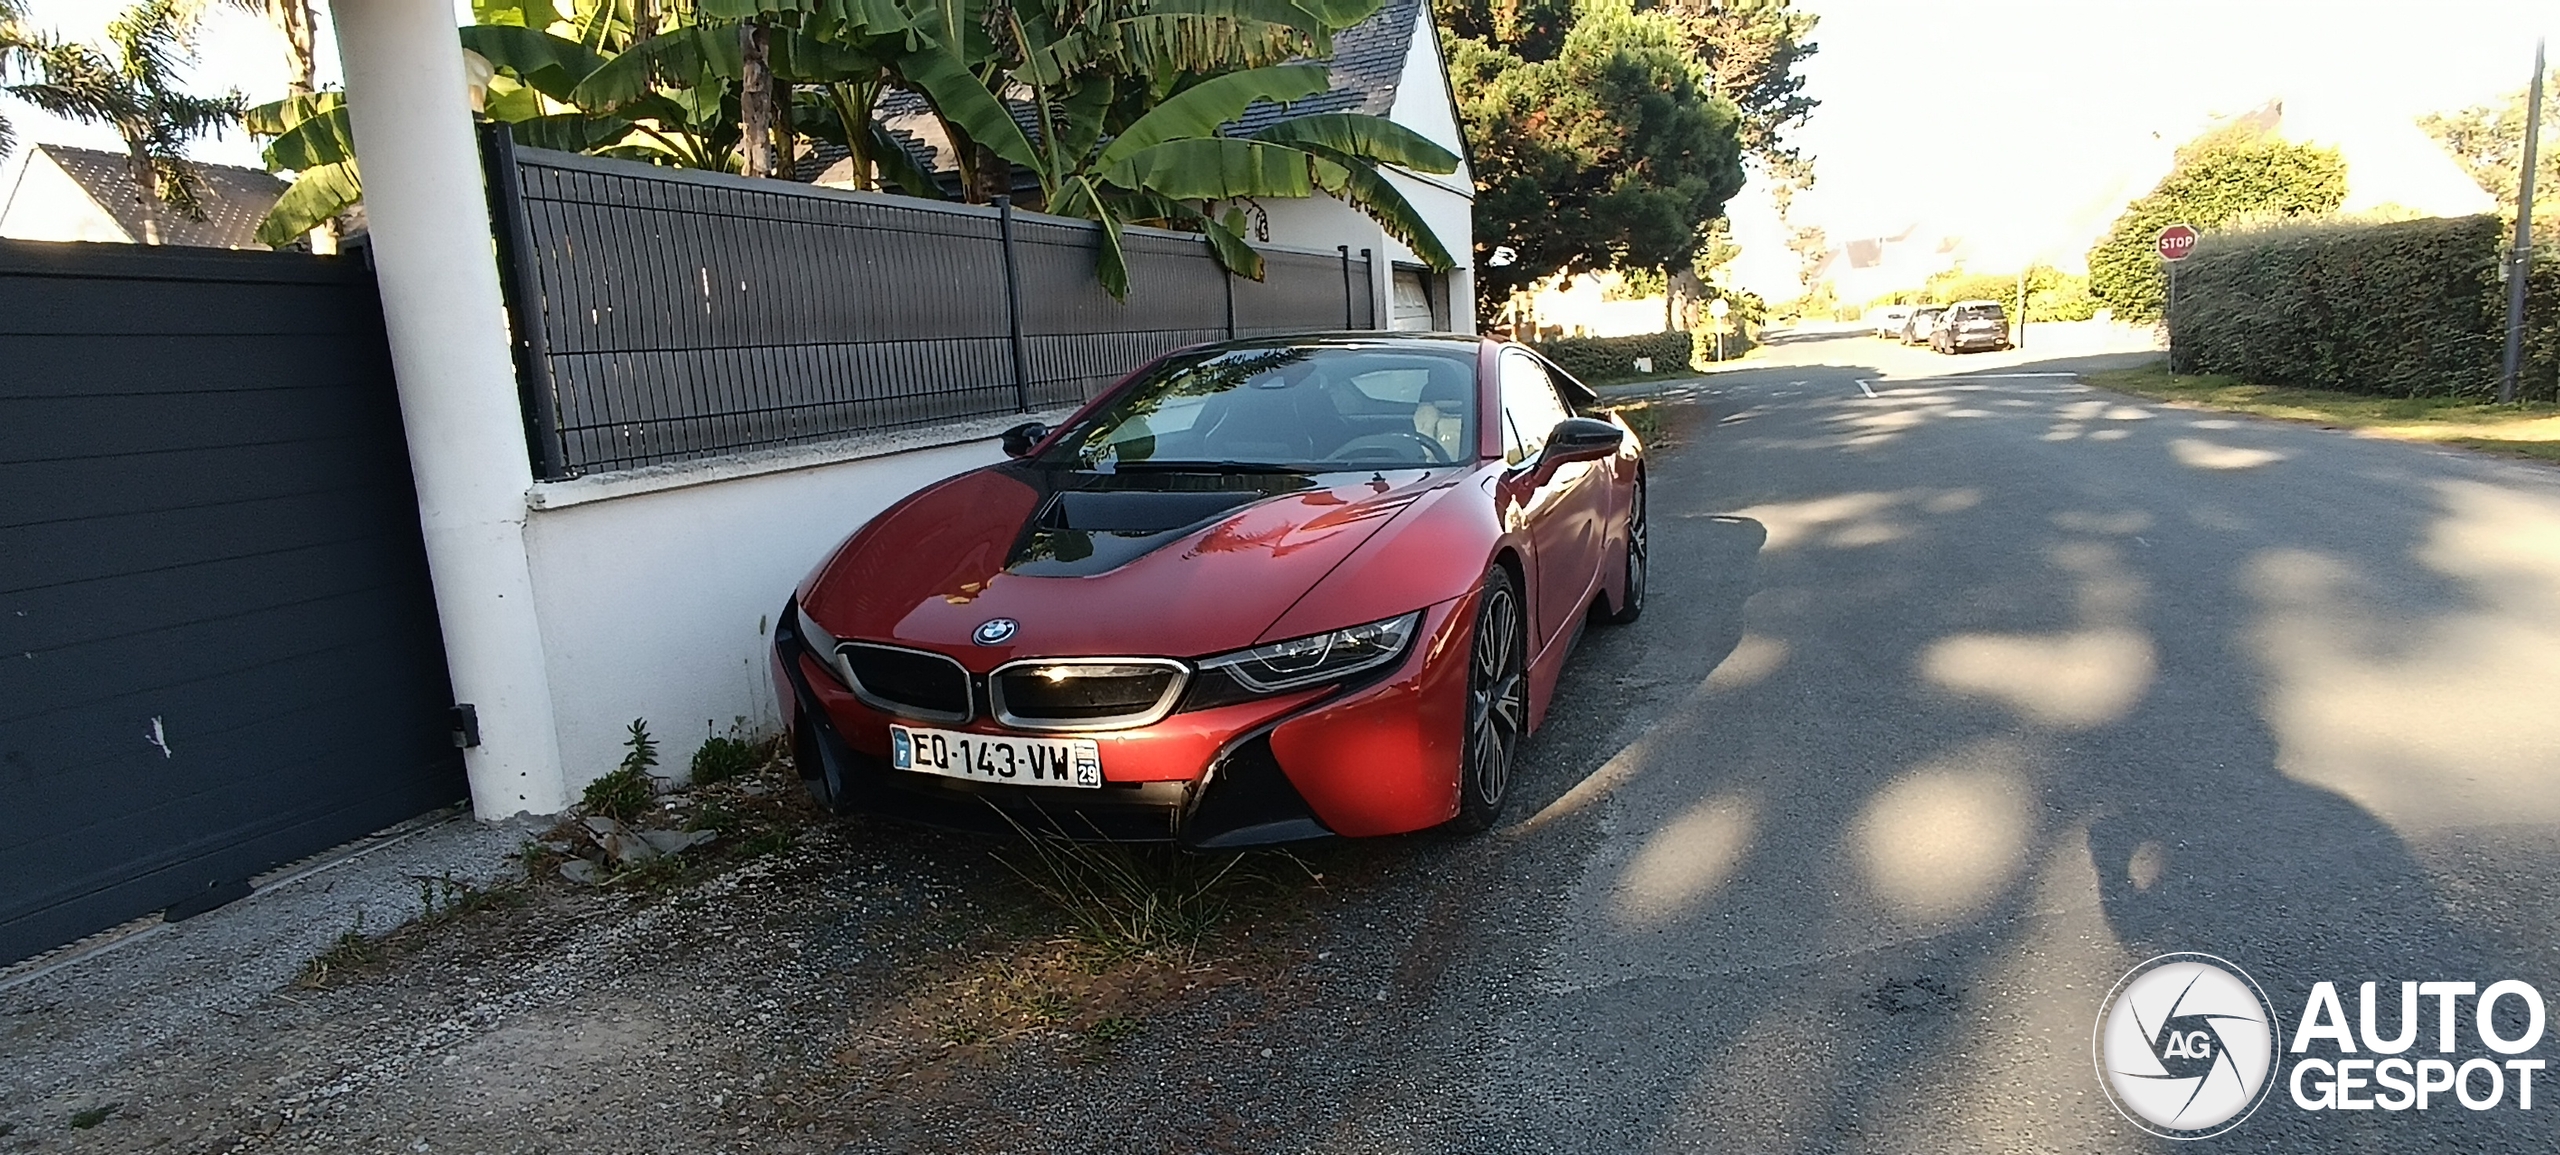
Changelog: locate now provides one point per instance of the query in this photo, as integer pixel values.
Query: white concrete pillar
(447, 323)
(1462, 293)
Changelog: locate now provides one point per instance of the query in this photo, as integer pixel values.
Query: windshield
(1978, 313)
(1306, 407)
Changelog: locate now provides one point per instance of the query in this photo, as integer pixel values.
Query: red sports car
(1258, 591)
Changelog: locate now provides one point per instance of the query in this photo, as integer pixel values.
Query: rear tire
(1631, 595)
(1497, 703)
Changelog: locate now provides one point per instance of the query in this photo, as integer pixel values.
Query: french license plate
(996, 757)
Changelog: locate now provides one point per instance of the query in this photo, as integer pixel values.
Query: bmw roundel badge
(995, 631)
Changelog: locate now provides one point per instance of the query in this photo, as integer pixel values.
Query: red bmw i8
(1258, 591)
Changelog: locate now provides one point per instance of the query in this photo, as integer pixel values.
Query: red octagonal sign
(2175, 242)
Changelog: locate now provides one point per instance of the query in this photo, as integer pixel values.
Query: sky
(2012, 123)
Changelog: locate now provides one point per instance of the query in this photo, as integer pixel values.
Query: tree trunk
(644, 20)
(146, 191)
(786, 143)
(292, 18)
(755, 96)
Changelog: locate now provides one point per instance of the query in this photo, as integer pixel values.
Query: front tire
(1631, 595)
(1497, 703)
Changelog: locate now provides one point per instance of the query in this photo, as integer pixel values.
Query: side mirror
(1581, 439)
(1019, 439)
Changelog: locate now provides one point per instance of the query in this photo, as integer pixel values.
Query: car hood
(1179, 565)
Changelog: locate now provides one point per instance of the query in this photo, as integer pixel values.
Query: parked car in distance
(1970, 325)
(1259, 591)
(1888, 320)
(1916, 327)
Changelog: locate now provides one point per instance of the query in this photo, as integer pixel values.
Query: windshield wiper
(1152, 466)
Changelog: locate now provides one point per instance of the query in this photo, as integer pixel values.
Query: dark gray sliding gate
(667, 314)
(218, 648)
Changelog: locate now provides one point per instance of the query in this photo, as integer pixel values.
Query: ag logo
(2186, 1046)
(995, 631)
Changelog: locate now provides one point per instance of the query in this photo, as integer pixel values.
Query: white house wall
(45, 204)
(1423, 102)
(659, 604)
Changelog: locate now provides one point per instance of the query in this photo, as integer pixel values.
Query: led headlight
(1317, 658)
(822, 645)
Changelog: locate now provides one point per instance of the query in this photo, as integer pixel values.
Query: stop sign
(2175, 242)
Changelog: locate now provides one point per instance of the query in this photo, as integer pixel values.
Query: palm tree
(14, 40)
(132, 87)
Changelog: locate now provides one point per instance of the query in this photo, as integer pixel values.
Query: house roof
(235, 199)
(1367, 65)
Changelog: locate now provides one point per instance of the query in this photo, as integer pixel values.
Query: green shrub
(2225, 176)
(721, 758)
(2402, 310)
(1614, 358)
(2541, 375)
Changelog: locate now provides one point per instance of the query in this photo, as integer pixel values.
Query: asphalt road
(1959, 696)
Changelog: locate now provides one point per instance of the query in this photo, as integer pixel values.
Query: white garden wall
(657, 588)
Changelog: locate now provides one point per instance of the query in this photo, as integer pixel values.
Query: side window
(1530, 407)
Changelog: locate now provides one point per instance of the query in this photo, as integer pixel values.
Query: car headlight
(1317, 658)
(822, 645)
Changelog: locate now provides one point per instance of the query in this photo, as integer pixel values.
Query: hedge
(1611, 358)
(2406, 309)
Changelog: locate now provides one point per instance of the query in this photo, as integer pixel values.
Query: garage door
(1413, 301)
(222, 652)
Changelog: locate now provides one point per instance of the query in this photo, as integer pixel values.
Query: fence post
(1345, 250)
(1013, 307)
(1227, 279)
(1369, 277)
(519, 280)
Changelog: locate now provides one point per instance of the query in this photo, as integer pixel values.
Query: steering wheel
(1396, 445)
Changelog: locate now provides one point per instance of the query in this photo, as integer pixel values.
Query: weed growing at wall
(626, 791)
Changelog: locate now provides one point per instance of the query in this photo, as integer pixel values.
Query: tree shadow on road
(1967, 697)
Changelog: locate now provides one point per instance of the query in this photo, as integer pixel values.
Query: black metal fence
(664, 315)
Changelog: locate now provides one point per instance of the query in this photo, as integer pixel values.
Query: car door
(1558, 510)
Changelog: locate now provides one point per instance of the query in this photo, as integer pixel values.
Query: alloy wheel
(1497, 702)
(1631, 600)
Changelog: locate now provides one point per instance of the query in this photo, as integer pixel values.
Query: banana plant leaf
(277, 117)
(1213, 168)
(1197, 111)
(1369, 138)
(693, 57)
(802, 58)
(963, 100)
(899, 167)
(315, 196)
(1358, 182)
(822, 17)
(1081, 198)
(569, 131)
(519, 13)
(1227, 241)
(313, 142)
(546, 63)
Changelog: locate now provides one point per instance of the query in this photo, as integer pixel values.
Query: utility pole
(2520, 262)
(2018, 332)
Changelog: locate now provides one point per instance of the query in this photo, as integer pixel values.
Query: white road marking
(1862, 388)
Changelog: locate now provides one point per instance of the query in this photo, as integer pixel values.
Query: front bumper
(1380, 757)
